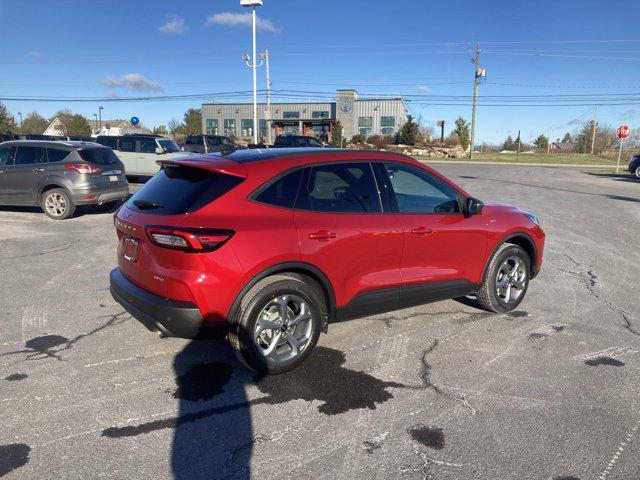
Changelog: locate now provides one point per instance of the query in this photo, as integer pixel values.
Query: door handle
(38, 169)
(421, 231)
(322, 235)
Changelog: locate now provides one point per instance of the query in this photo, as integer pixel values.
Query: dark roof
(254, 154)
(52, 143)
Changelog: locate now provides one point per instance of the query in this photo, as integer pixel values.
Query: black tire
(637, 172)
(57, 196)
(241, 334)
(488, 295)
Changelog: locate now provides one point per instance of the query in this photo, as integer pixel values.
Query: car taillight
(189, 239)
(82, 168)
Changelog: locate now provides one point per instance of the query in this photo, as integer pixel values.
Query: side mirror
(473, 207)
(159, 150)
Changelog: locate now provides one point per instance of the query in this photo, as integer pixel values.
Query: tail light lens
(189, 239)
(82, 168)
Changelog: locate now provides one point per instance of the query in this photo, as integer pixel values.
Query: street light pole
(20, 115)
(254, 65)
(100, 119)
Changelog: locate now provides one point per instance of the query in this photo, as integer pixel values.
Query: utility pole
(268, 116)
(478, 74)
(593, 136)
(100, 119)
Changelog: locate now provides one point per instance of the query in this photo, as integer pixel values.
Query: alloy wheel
(55, 204)
(511, 280)
(284, 328)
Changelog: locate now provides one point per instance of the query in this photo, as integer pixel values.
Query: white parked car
(139, 153)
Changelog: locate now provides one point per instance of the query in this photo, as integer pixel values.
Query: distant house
(107, 127)
(562, 147)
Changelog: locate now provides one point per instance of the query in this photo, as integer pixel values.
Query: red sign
(623, 131)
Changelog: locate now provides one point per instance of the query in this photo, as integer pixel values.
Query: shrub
(381, 141)
(358, 138)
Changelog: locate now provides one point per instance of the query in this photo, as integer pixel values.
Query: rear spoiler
(217, 165)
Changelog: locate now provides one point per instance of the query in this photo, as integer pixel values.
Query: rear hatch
(155, 250)
(107, 170)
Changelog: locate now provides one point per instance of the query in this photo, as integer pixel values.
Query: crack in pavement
(426, 380)
(55, 249)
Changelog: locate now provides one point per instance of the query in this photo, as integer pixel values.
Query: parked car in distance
(277, 243)
(59, 176)
(634, 166)
(297, 141)
(209, 144)
(139, 153)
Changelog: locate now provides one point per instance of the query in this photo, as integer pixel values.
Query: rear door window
(4, 155)
(177, 190)
(56, 155)
(30, 155)
(146, 145)
(341, 188)
(127, 145)
(282, 192)
(99, 156)
(301, 142)
(314, 143)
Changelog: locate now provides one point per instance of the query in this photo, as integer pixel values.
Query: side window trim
(412, 168)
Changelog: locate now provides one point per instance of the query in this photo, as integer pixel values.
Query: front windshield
(169, 146)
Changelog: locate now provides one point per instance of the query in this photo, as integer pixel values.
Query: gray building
(366, 116)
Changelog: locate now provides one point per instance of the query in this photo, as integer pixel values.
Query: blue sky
(76, 48)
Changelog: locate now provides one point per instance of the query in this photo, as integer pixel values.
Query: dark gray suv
(58, 176)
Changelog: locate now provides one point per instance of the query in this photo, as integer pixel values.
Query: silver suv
(58, 176)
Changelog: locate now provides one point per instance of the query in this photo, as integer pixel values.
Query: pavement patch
(16, 377)
(594, 362)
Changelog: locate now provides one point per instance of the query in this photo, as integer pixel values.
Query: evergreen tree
(541, 142)
(409, 132)
(7, 123)
(192, 122)
(462, 132)
(336, 135)
(509, 144)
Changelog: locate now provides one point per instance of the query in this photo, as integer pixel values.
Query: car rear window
(176, 190)
(99, 156)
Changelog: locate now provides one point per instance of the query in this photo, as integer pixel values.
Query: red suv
(275, 244)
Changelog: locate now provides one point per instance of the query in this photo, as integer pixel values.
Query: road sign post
(622, 132)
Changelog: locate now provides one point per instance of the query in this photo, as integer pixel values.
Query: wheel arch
(302, 268)
(521, 239)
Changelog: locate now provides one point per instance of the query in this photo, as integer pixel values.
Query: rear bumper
(170, 317)
(100, 196)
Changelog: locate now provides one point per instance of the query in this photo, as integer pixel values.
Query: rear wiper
(147, 205)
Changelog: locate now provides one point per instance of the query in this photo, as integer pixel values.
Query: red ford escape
(276, 244)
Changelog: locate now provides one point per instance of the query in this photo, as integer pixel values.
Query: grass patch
(524, 158)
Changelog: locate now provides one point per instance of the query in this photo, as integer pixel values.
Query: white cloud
(423, 88)
(132, 81)
(33, 54)
(174, 26)
(242, 19)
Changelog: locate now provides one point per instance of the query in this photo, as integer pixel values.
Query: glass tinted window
(169, 146)
(320, 114)
(194, 140)
(178, 190)
(58, 155)
(417, 191)
(282, 141)
(365, 125)
(343, 187)
(283, 191)
(111, 142)
(229, 126)
(146, 145)
(300, 142)
(4, 155)
(387, 125)
(127, 144)
(213, 141)
(314, 143)
(227, 142)
(28, 155)
(100, 156)
(290, 114)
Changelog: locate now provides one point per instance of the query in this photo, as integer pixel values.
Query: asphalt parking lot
(447, 391)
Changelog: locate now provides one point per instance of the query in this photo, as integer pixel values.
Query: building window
(388, 125)
(246, 127)
(262, 126)
(230, 127)
(320, 114)
(290, 114)
(365, 125)
(212, 126)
